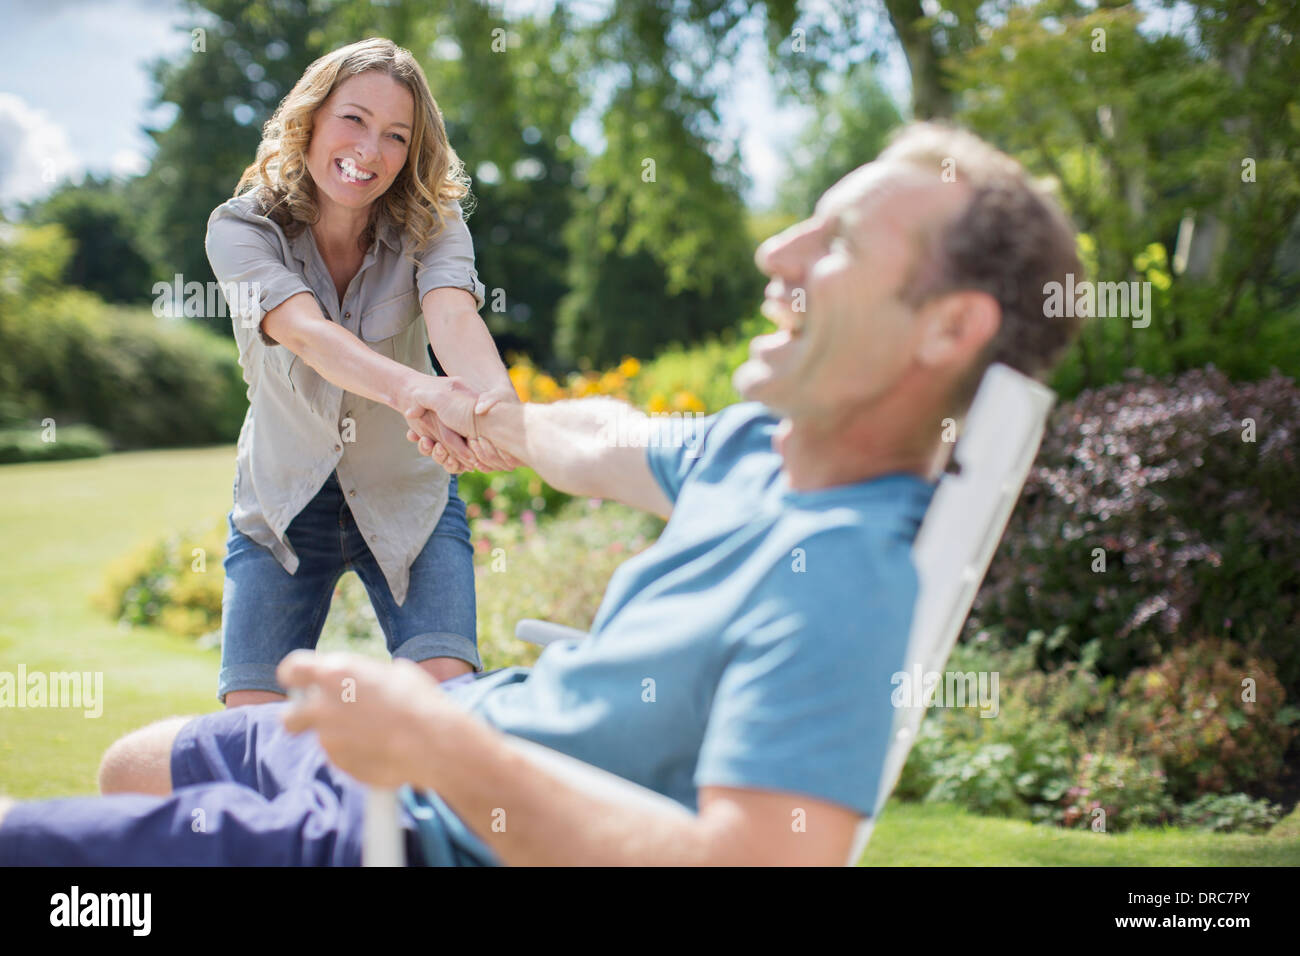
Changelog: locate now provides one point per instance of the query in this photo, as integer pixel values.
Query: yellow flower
(545, 388)
(657, 403)
(684, 401)
(610, 383)
(521, 377)
(629, 367)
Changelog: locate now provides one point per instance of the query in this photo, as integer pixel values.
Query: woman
(342, 232)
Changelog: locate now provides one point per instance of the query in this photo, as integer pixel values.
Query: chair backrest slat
(958, 537)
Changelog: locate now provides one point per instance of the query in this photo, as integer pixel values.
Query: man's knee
(140, 762)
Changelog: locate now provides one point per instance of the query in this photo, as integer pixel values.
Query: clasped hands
(443, 416)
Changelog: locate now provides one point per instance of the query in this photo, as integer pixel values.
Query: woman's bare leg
(443, 668)
(242, 698)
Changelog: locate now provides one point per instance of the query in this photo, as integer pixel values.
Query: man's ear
(957, 326)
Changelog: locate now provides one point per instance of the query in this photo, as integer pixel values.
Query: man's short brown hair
(1009, 240)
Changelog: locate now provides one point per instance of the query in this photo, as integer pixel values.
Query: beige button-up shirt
(300, 427)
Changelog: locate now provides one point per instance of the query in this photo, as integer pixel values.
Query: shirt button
(338, 447)
(347, 315)
(352, 493)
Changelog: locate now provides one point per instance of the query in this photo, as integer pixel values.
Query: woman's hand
(436, 409)
(457, 407)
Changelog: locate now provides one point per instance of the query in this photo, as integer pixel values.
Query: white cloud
(35, 152)
(128, 162)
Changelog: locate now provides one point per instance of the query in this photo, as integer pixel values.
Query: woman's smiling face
(360, 138)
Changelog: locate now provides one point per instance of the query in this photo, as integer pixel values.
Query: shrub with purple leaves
(1188, 490)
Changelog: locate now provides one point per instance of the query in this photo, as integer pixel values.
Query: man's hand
(377, 720)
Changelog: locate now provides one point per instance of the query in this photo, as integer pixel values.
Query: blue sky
(75, 93)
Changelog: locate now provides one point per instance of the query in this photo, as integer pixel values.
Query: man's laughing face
(844, 336)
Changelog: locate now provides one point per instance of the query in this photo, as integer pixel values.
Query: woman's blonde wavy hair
(419, 200)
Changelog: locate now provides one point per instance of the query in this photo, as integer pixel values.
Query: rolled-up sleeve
(247, 257)
(448, 261)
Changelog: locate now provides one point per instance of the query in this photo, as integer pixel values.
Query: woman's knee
(246, 698)
(140, 762)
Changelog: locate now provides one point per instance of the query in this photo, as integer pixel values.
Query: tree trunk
(931, 98)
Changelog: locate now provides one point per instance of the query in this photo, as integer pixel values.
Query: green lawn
(923, 835)
(63, 521)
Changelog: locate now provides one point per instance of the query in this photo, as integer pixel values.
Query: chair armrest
(534, 631)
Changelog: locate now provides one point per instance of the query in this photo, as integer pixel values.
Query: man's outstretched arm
(581, 446)
(397, 726)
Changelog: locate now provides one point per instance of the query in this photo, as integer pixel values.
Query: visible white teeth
(352, 173)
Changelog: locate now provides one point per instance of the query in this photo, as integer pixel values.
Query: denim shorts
(266, 612)
(245, 792)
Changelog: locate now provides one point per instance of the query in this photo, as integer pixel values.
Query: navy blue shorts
(245, 793)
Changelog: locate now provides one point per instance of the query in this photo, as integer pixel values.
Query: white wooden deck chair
(954, 546)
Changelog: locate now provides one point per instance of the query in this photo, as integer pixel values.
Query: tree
(850, 127)
(247, 57)
(658, 246)
(1146, 132)
(100, 219)
(508, 96)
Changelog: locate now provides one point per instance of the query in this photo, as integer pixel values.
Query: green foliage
(703, 370)
(1147, 132)
(64, 354)
(658, 253)
(71, 441)
(509, 117)
(509, 495)
(1230, 813)
(1194, 712)
(1114, 791)
(32, 262)
(145, 382)
(557, 571)
(1066, 743)
(1019, 763)
(102, 222)
(850, 128)
(174, 583)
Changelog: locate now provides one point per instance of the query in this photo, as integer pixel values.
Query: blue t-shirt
(751, 646)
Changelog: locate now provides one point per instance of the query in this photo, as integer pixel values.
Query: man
(742, 664)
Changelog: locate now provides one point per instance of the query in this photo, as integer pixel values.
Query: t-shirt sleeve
(804, 703)
(248, 260)
(448, 261)
(675, 448)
